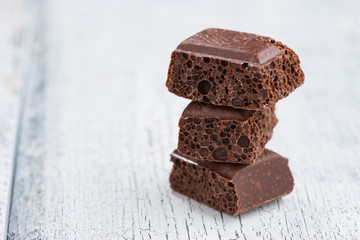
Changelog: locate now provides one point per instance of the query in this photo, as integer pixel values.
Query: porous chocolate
(224, 134)
(235, 69)
(232, 188)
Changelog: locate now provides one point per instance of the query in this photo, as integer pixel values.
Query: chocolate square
(232, 188)
(235, 69)
(224, 134)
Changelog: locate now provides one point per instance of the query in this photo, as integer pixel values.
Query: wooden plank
(11, 27)
(99, 124)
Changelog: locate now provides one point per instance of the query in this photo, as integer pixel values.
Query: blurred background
(87, 124)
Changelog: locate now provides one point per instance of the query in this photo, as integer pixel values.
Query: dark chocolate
(234, 69)
(224, 134)
(232, 188)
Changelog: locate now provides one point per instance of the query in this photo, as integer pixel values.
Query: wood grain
(11, 27)
(98, 123)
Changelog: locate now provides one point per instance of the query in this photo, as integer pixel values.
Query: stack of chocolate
(234, 80)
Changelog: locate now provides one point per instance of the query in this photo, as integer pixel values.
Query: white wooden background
(11, 27)
(82, 86)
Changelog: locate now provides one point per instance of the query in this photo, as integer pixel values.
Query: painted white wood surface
(98, 123)
(11, 28)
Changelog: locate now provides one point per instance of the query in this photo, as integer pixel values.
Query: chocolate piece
(224, 134)
(232, 188)
(235, 69)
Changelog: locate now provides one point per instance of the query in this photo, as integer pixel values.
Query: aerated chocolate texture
(232, 188)
(224, 134)
(235, 69)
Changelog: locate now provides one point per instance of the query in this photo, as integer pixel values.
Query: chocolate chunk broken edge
(232, 188)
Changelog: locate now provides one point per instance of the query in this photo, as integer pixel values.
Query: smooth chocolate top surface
(245, 47)
(198, 109)
(231, 170)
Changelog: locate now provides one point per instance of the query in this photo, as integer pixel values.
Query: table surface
(87, 124)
